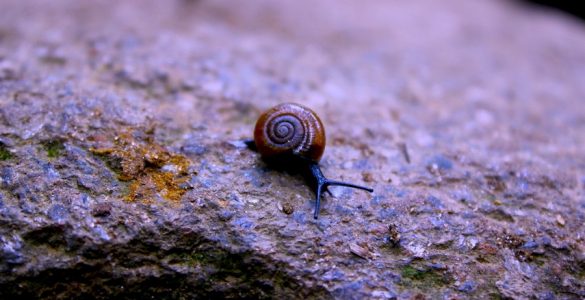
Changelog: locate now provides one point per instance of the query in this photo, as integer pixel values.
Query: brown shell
(290, 129)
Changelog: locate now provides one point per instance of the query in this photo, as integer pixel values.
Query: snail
(292, 135)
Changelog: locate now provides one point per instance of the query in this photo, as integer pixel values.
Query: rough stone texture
(121, 173)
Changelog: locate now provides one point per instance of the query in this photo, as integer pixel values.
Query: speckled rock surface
(122, 174)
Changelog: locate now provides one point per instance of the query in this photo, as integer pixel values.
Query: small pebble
(367, 177)
(467, 286)
(287, 208)
(102, 210)
(393, 235)
(360, 251)
(225, 215)
(560, 220)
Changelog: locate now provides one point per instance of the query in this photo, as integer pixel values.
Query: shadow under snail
(292, 136)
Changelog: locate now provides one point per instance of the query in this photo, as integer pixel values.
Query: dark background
(571, 7)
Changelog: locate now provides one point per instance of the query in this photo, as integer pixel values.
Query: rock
(124, 171)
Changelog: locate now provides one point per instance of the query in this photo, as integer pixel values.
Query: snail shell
(290, 129)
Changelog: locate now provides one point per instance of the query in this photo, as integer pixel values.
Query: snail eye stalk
(323, 183)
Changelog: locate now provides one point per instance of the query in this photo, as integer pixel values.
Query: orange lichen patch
(126, 156)
(168, 185)
(181, 162)
(155, 182)
(137, 190)
(150, 169)
(156, 156)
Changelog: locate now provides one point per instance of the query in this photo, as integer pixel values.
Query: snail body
(291, 133)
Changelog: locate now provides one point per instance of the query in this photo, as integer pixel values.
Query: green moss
(190, 259)
(5, 153)
(197, 258)
(54, 148)
(422, 278)
(411, 273)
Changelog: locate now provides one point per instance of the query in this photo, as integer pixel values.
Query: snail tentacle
(351, 185)
(323, 183)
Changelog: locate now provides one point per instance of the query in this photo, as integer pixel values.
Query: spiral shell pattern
(290, 129)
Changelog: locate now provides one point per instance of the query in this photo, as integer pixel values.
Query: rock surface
(122, 172)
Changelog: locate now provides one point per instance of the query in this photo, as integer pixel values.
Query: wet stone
(463, 195)
(376, 200)
(225, 215)
(530, 245)
(470, 229)
(194, 149)
(10, 251)
(439, 162)
(437, 222)
(58, 213)
(7, 176)
(255, 176)
(243, 223)
(299, 217)
(334, 274)
(349, 290)
(434, 202)
(386, 214)
(467, 286)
